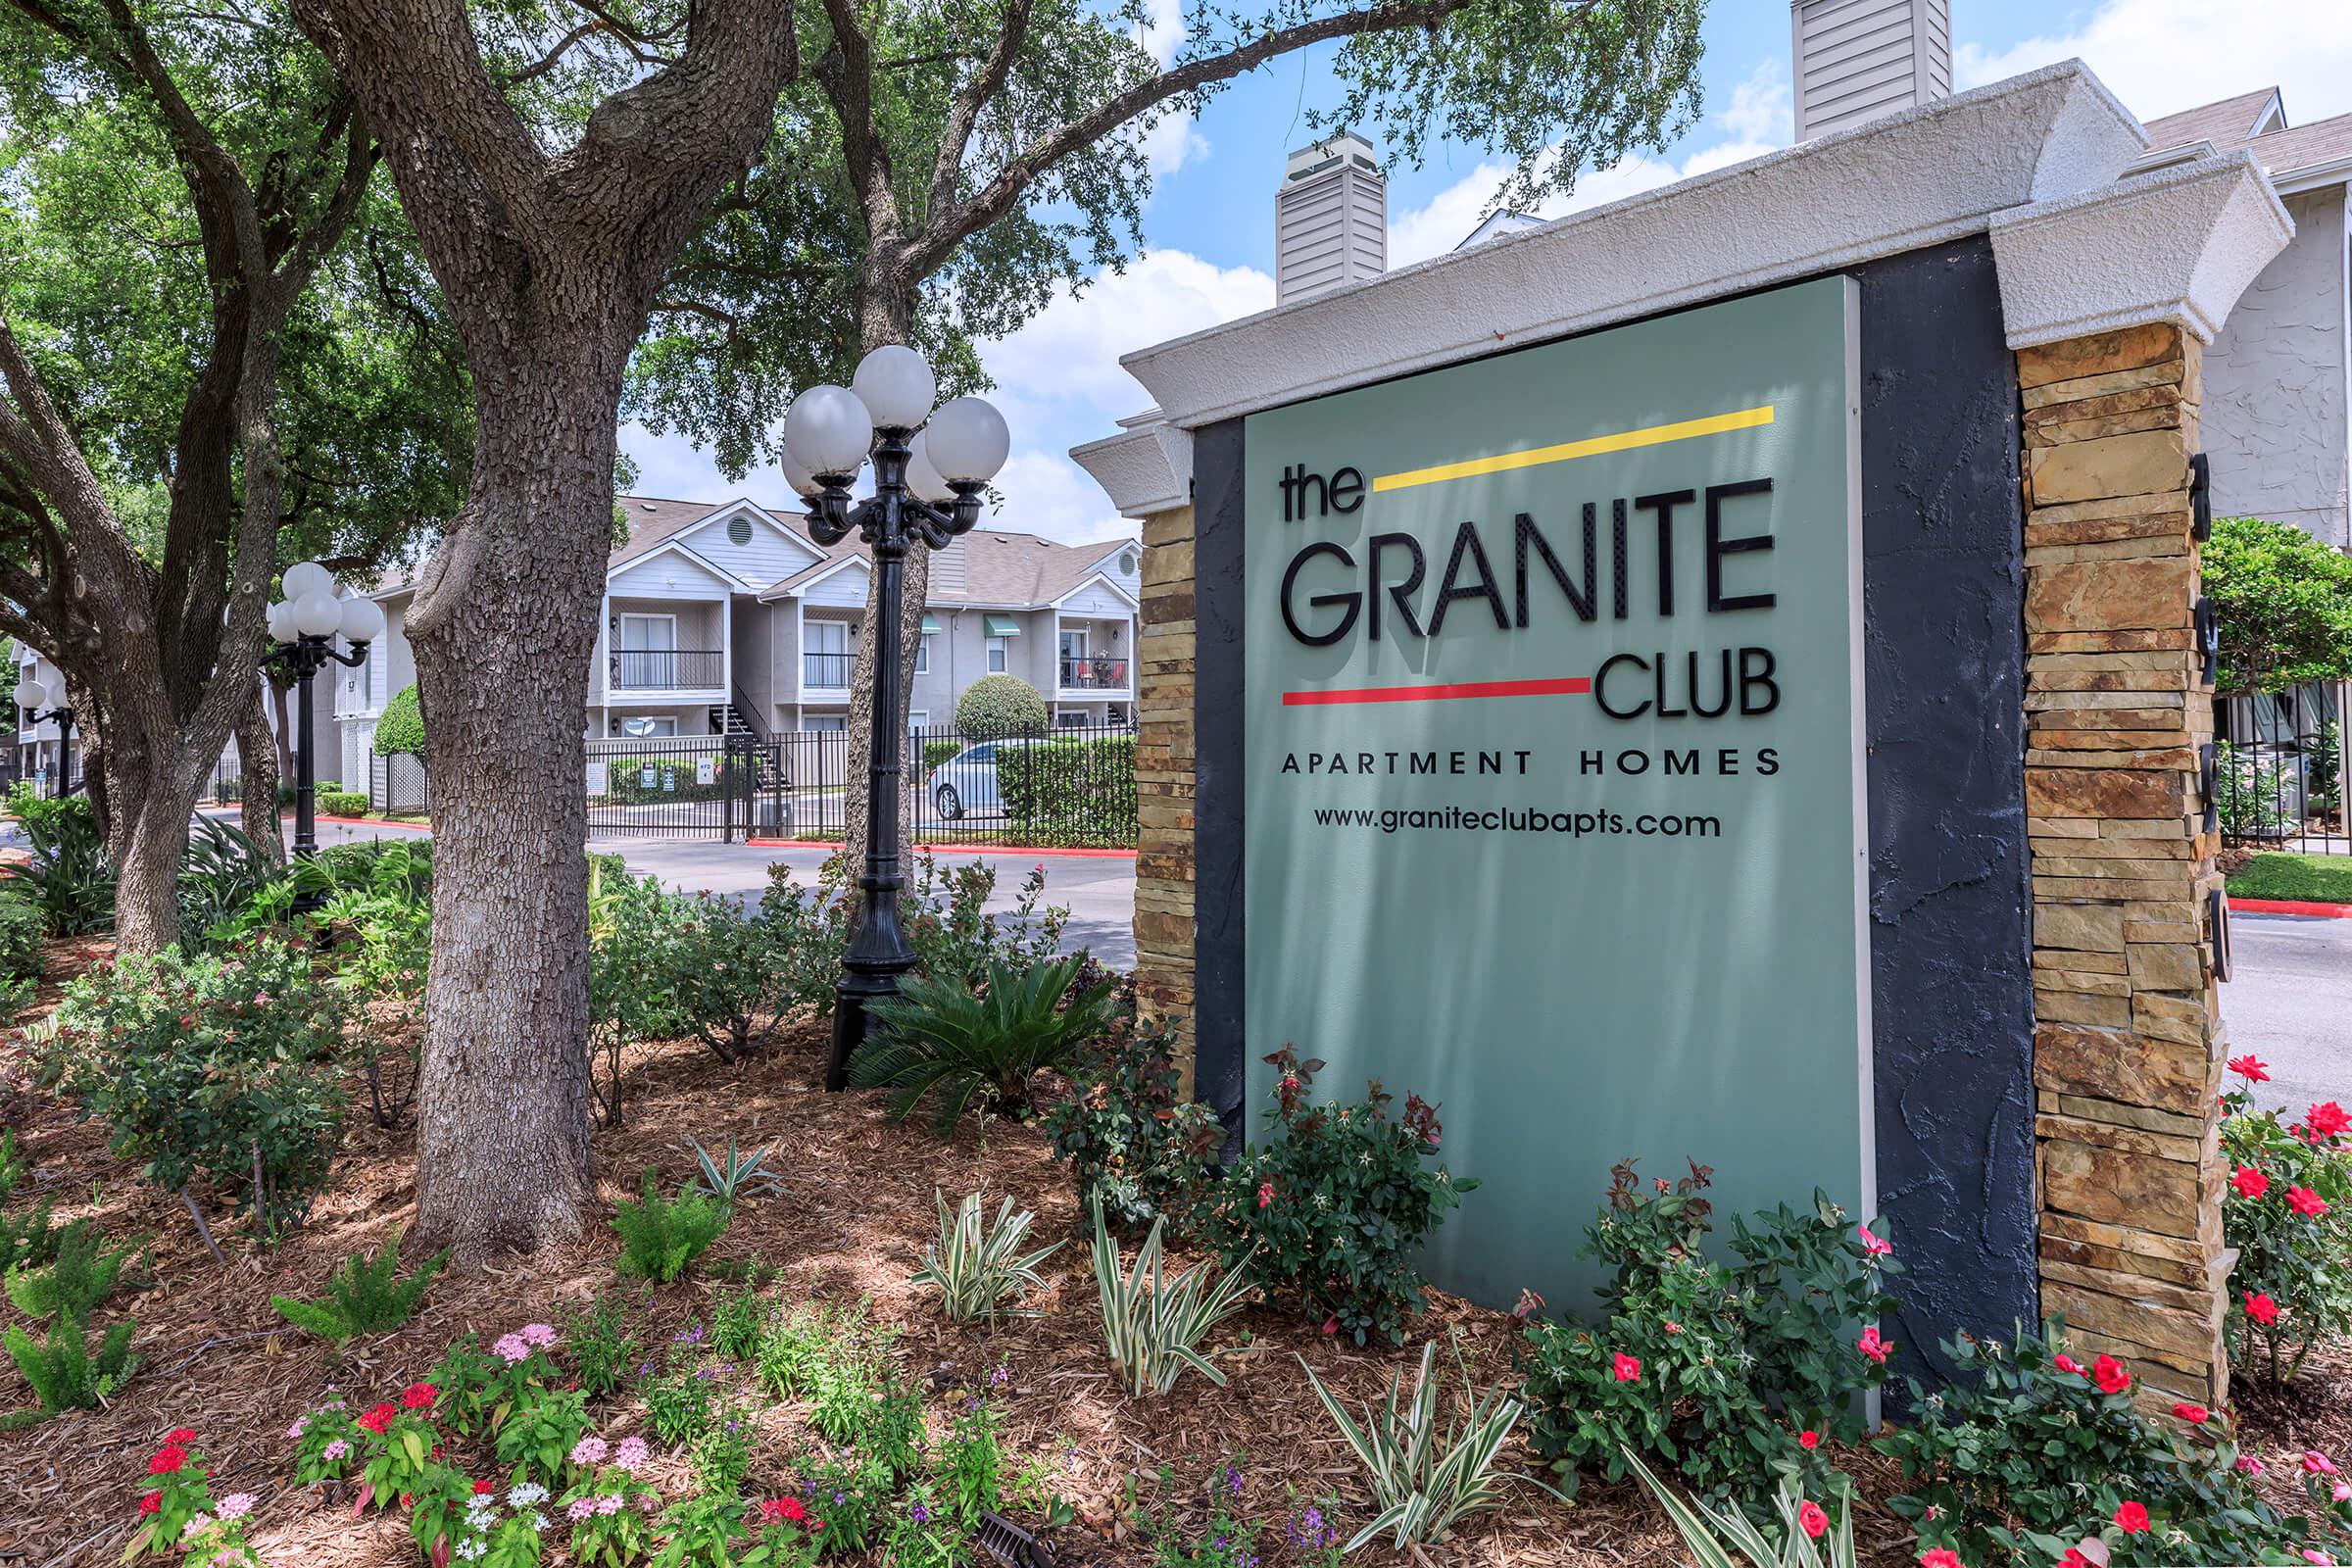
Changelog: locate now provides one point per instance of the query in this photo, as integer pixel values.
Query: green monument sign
(1553, 777)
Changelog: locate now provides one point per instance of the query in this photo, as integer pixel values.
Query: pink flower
(630, 1455)
(1872, 1244)
(1872, 1345)
(336, 1449)
(1809, 1440)
(2249, 1182)
(2303, 1201)
(294, 1432)
(1812, 1520)
(2067, 1364)
(1941, 1557)
(1265, 1195)
(236, 1506)
(2196, 1415)
(538, 1334)
(2247, 1464)
(589, 1450)
(1627, 1368)
(512, 1347)
(2342, 1492)
(2328, 1118)
(610, 1502)
(2313, 1555)
(580, 1508)
(2318, 1463)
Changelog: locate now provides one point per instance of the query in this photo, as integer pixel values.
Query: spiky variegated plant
(1713, 1535)
(977, 1269)
(1151, 1327)
(1426, 1481)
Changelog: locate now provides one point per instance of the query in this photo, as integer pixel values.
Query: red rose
(2303, 1201)
(1627, 1368)
(2067, 1364)
(1812, 1520)
(1265, 1195)
(1809, 1440)
(2260, 1308)
(2249, 1182)
(1941, 1557)
(2109, 1374)
(416, 1396)
(180, 1434)
(2196, 1415)
(1872, 1345)
(168, 1458)
(2131, 1518)
(2250, 1068)
(2074, 1559)
(2328, 1119)
(151, 1502)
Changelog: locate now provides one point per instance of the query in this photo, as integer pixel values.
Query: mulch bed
(218, 1357)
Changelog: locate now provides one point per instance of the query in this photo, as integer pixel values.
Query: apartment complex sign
(1552, 770)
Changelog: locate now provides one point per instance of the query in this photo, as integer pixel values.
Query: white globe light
(316, 615)
(280, 619)
(968, 440)
(31, 694)
(896, 386)
(308, 577)
(797, 475)
(362, 619)
(828, 430)
(922, 476)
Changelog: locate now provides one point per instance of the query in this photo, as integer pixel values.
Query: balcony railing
(1094, 674)
(827, 672)
(661, 669)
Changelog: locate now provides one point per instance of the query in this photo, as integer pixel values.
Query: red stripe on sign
(1564, 686)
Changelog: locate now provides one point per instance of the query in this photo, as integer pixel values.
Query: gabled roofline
(674, 542)
(1105, 579)
(759, 512)
(776, 590)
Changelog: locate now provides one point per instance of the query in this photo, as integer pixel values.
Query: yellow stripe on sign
(1534, 457)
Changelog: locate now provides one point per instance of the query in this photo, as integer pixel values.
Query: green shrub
(22, 926)
(2287, 1211)
(994, 706)
(941, 750)
(80, 1277)
(1078, 792)
(2283, 602)
(68, 877)
(219, 1065)
(954, 937)
(2027, 1451)
(364, 1295)
(1329, 1215)
(399, 728)
(660, 1237)
(1711, 1367)
(719, 963)
(634, 780)
(1136, 1145)
(65, 1374)
(341, 803)
(29, 1239)
(936, 1035)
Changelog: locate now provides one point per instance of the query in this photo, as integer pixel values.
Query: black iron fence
(227, 785)
(658, 669)
(396, 786)
(2279, 772)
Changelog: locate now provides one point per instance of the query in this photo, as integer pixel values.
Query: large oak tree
(875, 170)
(211, 332)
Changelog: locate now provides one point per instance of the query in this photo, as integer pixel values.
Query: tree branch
(945, 228)
(957, 133)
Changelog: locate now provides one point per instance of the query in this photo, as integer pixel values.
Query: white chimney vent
(1331, 217)
(1856, 59)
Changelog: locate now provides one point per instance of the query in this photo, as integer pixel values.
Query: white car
(967, 783)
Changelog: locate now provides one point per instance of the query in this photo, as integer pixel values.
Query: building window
(922, 654)
(919, 719)
(1000, 654)
(828, 723)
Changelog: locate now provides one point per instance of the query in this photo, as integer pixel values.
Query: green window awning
(930, 626)
(1002, 625)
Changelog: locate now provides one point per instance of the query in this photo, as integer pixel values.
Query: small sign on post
(597, 784)
(706, 772)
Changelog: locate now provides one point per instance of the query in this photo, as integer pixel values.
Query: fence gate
(2279, 770)
(664, 786)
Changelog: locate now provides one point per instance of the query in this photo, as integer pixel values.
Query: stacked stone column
(1164, 777)
(2129, 1045)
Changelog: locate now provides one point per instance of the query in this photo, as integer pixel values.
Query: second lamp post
(930, 466)
(304, 624)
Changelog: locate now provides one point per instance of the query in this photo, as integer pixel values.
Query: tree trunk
(281, 746)
(147, 867)
(504, 629)
(257, 789)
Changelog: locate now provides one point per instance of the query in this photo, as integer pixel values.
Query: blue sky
(1210, 226)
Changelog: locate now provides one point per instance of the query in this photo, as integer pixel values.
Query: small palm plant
(1150, 1328)
(937, 1035)
(364, 1295)
(978, 1270)
(1426, 1481)
(1725, 1537)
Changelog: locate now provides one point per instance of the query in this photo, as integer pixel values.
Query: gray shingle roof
(2285, 152)
(2224, 123)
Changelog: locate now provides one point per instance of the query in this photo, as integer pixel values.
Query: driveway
(2290, 1001)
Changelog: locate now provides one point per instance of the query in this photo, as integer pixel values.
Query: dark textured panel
(1950, 903)
(1217, 958)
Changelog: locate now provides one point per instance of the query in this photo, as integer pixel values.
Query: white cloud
(1173, 139)
(2164, 56)
(1757, 119)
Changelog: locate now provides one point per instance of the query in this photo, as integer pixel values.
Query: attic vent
(739, 530)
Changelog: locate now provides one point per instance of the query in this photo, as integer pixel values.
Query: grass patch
(2301, 878)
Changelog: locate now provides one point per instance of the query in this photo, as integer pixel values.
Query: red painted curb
(2326, 911)
(999, 850)
(371, 822)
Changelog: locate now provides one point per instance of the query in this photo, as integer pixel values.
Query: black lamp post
(304, 625)
(33, 694)
(930, 466)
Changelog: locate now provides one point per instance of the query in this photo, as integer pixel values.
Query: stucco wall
(2278, 383)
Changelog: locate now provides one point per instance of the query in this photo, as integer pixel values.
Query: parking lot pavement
(2289, 1001)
